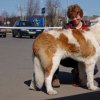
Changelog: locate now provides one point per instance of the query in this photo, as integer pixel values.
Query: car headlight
(27, 30)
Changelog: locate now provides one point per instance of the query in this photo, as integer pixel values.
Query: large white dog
(53, 45)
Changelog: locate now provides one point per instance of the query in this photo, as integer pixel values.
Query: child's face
(76, 20)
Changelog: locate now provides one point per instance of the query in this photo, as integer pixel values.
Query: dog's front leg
(90, 76)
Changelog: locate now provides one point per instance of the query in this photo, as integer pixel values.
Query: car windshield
(26, 23)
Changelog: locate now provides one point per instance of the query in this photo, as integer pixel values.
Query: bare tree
(20, 11)
(33, 7)
(5, 14)
(52, 10)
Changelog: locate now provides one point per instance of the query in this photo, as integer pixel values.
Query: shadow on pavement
(98, 81)
(65, 78)
(27, 82)
(86, 96)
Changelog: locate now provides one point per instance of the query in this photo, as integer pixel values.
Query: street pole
(43, 20)
(44, 16)
(67, 9)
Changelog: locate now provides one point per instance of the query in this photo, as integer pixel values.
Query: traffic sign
(43, 10)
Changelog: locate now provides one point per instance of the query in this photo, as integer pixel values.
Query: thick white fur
(38, 74)
(95, 29)
(93, 35)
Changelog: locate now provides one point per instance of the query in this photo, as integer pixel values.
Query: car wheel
(31, 36)
(36, 35)
(13, 34)
(4, 35)
(19, 35)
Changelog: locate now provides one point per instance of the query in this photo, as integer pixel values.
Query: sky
(90, 7)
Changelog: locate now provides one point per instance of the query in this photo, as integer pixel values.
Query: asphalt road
(16, 68)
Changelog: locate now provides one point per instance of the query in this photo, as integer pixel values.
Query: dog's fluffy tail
(38, 73)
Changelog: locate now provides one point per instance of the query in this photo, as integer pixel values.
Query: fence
(3, 27)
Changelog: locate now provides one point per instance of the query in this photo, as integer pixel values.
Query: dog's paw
(52, 92)
(94, 88)
(32, 87)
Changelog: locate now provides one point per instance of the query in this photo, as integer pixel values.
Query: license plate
(32, 32)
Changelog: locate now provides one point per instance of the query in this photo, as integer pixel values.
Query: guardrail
(3, 27)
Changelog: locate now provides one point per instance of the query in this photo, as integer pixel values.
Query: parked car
(24, 32)
(2, 31)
